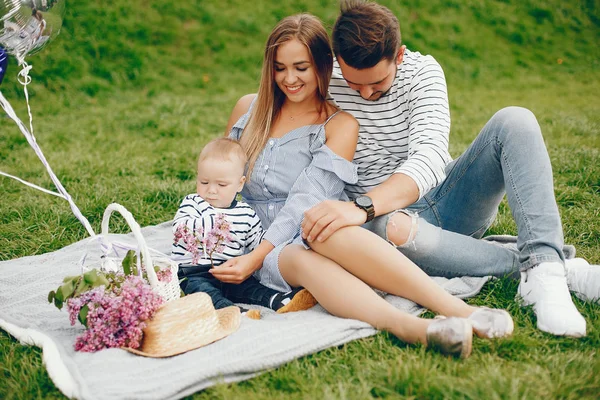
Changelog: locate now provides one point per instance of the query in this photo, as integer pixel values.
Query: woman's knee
(401, 228)
(293, 260)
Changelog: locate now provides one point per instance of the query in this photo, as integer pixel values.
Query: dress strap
(331, 116)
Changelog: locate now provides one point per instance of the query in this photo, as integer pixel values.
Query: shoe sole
(572, 334)
(303, 300)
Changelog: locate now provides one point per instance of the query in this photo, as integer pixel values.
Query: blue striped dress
(292, 174)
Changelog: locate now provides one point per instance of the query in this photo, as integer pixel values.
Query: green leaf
(59, 298)
(67, 290)
(51, 296)
(82, 287)
(70, 278)
(59, 294)
(128, 262)
(101, 280)
(91, 276)
(82, 317)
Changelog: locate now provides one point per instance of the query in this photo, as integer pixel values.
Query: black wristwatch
(365, 203)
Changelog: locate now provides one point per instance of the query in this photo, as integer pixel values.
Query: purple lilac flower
(219, 235)
(117, 317)
(191, 240)
(199, 243)
(164, 275)
(75, 304)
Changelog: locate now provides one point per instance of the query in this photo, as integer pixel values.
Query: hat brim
(186, 324)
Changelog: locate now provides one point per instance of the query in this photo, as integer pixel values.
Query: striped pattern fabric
(404, 131)
(292, 173)
(195, 212)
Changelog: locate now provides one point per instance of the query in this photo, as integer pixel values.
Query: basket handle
(137, 233)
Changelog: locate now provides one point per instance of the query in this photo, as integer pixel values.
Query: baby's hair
(225, 149)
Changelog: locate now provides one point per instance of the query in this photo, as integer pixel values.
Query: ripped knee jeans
(444, 253)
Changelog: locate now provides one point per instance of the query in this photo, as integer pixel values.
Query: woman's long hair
(308, 30)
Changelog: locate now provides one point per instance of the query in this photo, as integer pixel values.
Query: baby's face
(219, 181)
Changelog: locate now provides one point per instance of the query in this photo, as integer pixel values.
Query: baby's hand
(235, 270)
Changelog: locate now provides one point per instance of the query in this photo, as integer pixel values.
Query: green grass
(129, 92)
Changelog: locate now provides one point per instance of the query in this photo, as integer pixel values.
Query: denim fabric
(223, 294)
(507, 157)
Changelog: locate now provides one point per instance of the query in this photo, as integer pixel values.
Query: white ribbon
(25, 79)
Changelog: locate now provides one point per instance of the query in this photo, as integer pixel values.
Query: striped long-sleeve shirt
(405, 131)
(195, 212)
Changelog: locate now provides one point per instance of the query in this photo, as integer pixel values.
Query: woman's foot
(451, 336)
(298, 299)
(491, 323)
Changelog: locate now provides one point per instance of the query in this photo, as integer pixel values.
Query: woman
(300, 149)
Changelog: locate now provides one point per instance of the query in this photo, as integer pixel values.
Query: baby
(221, 167)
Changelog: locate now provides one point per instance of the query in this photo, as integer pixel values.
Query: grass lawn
(125, 97)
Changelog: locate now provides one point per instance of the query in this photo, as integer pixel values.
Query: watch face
(364, 201)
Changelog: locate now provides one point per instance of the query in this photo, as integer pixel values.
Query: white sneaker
(583, 279)
(545, 287)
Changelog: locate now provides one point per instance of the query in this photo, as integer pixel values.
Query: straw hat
(185, 324)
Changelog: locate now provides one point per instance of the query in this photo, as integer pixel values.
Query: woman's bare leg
(346, 296)
(372, 260)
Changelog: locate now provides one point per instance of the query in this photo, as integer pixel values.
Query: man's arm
(429, 127)
(398, 191)
(321, 221)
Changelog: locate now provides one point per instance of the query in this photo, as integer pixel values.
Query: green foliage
(129, 92)
(74, 286)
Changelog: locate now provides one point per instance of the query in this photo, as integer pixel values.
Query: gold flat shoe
(451, 336)
(491, 323)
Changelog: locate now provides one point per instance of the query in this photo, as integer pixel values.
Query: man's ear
(400, 55)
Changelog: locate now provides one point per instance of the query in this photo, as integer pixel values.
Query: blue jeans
(507, 157)
(223, 294)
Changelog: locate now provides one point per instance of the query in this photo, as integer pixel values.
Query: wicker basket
(113, 253)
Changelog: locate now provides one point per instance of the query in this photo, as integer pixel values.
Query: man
(434, 209)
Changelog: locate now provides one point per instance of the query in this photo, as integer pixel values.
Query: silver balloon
(27, 25)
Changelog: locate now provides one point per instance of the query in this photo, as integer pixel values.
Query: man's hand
(325, 218)
(235, 270)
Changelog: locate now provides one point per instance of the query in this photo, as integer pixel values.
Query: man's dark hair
(365, 33)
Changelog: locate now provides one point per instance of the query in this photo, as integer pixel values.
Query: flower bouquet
(113, 306)
(201, 245)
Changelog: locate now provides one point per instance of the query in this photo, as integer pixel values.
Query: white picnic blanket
(116, 374)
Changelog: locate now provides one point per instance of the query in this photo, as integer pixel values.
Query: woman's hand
(235, 270)
(324, 219)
